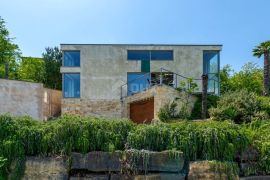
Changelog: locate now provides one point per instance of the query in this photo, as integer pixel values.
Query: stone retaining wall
(128, 165)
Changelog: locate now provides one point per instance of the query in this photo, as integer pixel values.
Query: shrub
(168, 112)
(202, 140)
(239, 106)
(258, 132)
(197, 109)
(150, 137)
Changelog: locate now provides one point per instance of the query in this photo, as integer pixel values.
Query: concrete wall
(104, 68)
(25, 98)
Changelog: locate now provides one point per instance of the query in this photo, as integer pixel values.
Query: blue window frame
(162, 55)
(138, 82)
(211, 68)
(71, 85)
(72, 58)
(145, 55)
(138, 55)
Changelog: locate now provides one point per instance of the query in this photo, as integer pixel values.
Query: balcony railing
(169, 78)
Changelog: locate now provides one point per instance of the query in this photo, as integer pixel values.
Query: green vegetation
(240, 106)
(258, 51)
(259, 135)
(250, 77)
(231, 169)
(200, 140)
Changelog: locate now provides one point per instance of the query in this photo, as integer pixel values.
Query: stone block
(156, 176)
(164, 161)
(202, 170)
(91, 177)
(97, 161)
(43, 168)
(255, 178)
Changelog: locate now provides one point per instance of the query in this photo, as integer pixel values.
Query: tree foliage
(9, 51)
(250, 77)
(258, 51)
(32, 69)
(53, 61)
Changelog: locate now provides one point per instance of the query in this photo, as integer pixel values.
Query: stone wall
(128, 165)
(106, 108)
(115, 108)
(104, 165)
(26, 98)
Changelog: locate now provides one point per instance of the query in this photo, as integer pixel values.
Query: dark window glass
(161, 55)
(138, 55)
(71, 58)
(71, 85)
(138, 82)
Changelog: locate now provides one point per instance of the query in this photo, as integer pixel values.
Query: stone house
(133, 80)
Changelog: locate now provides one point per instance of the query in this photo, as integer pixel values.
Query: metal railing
(169, 78)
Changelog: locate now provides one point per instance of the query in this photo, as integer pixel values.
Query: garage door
(142, 111)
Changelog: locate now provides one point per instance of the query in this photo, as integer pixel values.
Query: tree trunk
(6, 69)
(266, 75)
(204, 95)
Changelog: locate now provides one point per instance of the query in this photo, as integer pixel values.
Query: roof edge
(146, 44)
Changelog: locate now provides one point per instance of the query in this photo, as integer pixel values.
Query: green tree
(225, 75)
(9, 52)
(53, 61)
(32, 69)
(258, 51)
(250, 77)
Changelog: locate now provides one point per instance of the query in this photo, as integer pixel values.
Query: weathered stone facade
(162, 94)
(106, 108)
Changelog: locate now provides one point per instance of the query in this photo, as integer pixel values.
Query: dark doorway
(142, 111)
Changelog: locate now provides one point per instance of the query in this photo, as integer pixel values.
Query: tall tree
(258, 51)
(53, 61)
(32, 69)
(8, 50)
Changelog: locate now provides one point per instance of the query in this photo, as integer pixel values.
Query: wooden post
(204, 95)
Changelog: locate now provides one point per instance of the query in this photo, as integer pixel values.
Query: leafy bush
(24, 136)
(239, 106)
(197, 109)
(201, 140)
(167, 112)
(258, 132)
(150, 137)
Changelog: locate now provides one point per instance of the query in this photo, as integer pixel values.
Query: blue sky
(237, 24)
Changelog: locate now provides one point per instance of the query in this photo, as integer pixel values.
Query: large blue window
(71, 86)
(71, 58)
(150, 55)
(138, 82)
(211, 68)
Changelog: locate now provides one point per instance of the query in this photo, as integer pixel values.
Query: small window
(138, 55)
(72, 58)
(161, 55)
(71, 86)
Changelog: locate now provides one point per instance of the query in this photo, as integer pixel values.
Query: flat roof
(148, 44)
